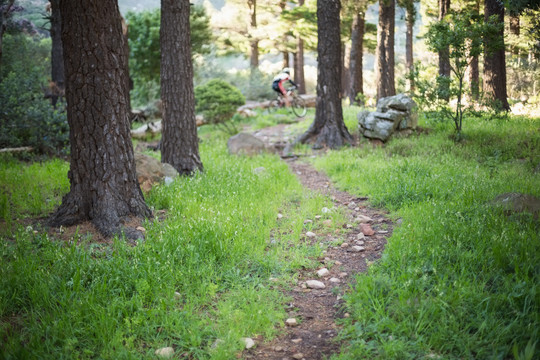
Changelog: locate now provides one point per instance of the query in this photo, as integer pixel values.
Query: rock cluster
(394, 113)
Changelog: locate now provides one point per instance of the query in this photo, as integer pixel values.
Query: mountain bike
(298, 105)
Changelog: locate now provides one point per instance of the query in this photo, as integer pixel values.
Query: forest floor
(316, 312)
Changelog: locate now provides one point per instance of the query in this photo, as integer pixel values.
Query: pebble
(278, 348)
(141, 229)
(327, 222)
(279, 216)
(297, 341)
(291, 322)
(323, 272)
(348, 226)
(344, 245)
(338, 263)
(308, 221)
(249, 342)
(310, 234)
(356, 248)
(346, 315)
(335, 280)
(298, 356)
(325, 210)
(382, 232)
(360, 236)
(366, 229)
(351, 205)
(364, 219)
(343, 274)
(166, 352)
(315, 284)
(177, 295)
(360, 242)
(318, 217)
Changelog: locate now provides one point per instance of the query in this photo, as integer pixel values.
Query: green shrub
(218, 100)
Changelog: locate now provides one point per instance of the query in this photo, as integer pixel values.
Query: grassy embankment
(218, 247)
(458, 279)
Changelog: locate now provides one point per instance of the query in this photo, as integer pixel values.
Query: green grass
(202, 274)
(458, 279)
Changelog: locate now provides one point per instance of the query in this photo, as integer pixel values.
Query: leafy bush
(26, 117)
(218, 100)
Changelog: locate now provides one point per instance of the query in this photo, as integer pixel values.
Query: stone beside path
(310, 328)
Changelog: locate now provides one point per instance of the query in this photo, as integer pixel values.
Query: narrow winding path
(316, 311)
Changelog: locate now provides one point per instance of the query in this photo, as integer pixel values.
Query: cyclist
(278, 82)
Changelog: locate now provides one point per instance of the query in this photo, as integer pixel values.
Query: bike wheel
(298, 106)
(273, 106)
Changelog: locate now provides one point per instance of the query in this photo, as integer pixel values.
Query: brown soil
(317, 311)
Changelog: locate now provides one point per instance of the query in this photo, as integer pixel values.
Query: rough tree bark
(328, 128)
(357, 58)
(444, 59)
(494, 60)
(385, 49)
(103, 182)
(180, 145)
(57, 61)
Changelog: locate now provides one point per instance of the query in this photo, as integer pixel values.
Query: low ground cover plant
(199, 282)
(459, 278)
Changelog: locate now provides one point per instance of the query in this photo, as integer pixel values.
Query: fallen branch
(17, 149)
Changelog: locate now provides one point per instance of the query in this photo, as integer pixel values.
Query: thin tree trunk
(57, 61)
(328, 127)
(474, 72)
(103, 182)
(409, 61)
(254, 42)
(345, 74)
(494, 61)
(357, 58)
(286, 62)
(180, 144)
(385, 49)
(444, 56)
(299, 76)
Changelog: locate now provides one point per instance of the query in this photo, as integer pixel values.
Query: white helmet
(286, 70)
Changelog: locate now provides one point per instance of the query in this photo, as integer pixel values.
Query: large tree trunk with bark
(103, 182)
(328, 128)
(494, 60)
(180, 145)
(57, 60)
(357, 58)
(385, 49)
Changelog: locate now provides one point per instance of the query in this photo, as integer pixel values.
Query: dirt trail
(317, 310)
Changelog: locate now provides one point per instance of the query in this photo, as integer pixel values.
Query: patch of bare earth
(317, 311)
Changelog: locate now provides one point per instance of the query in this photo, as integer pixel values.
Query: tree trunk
(4, 11)
(299, 77)
(474, 72)
(385, 49)
(357, 58)
(254, 42)
(286, 62)
(180, 145)
(494, 60)
(126, 63)
(345, 75)
(514, 24)
(103, 182)
(57, 61)
(444, 56)
(409, 60)
(328, 127)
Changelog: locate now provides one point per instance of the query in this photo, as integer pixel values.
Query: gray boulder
(151, 171)
(394, 113)
(246, 144)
